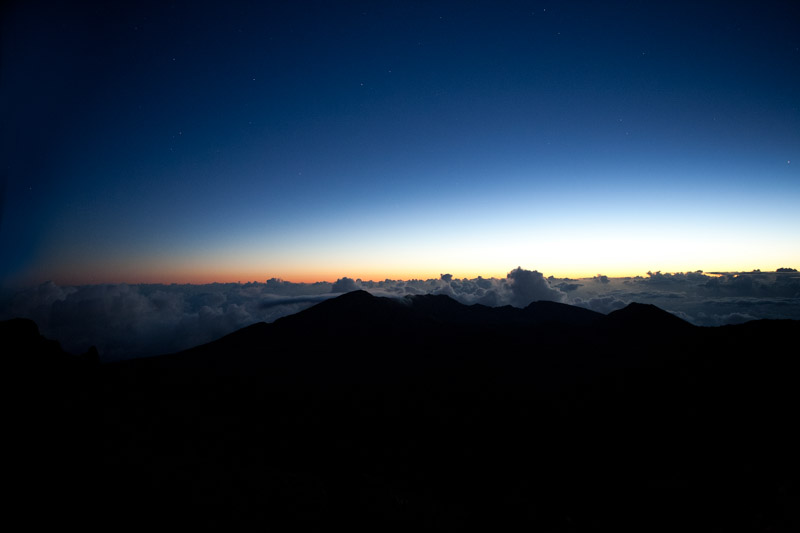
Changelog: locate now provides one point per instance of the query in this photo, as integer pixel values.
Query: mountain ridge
(376, 315)
(371, 413)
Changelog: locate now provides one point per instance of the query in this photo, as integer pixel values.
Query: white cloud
(529, 286)
(134, 320)
(602, 304)
(345, 285)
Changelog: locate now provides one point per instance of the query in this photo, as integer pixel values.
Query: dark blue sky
(311, 140)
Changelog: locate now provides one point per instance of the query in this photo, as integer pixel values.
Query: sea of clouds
(125, 321)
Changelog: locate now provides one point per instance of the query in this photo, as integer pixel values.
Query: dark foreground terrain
(372, 414)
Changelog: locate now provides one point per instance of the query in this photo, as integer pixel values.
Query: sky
(199, 142)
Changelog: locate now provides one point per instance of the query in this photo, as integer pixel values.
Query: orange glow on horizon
(203, 275)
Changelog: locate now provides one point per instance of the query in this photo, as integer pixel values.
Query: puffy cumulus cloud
(657, 278)
(519, 288)
(565, 286)
(754, 284)
(529, 286)
(345, 285)
(125, 321)
(286, 288)
(703, 299)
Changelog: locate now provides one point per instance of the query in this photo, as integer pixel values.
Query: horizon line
(309, 280)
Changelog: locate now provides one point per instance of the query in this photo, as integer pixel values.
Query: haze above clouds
(125, 321)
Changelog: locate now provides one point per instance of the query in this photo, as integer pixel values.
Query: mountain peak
(346, 311)
(645, 315)
(357, 297)
(545, 311)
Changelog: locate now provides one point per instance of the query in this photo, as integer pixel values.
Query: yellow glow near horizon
(202, 275)
(570, 253)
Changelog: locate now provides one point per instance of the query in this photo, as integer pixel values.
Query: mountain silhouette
(645, 316)
(372, 413)
(358, 337)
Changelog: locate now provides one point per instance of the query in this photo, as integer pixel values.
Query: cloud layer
(125, 321)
